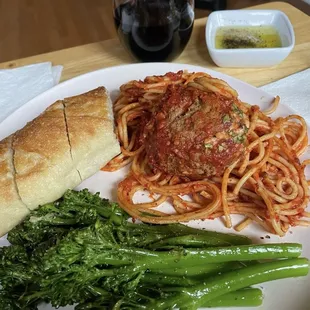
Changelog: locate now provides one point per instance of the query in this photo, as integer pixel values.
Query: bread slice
(66, 144)
(12, 210)
(42, 159)
(90, 126)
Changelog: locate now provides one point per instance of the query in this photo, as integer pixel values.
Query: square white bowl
(250, 57)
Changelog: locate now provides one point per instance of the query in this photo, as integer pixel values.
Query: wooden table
(82, 59)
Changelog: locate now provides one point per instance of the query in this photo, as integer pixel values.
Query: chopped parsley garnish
(239, 139)
(245, 128)
(226, 119)
(208, 146)
(237, 110)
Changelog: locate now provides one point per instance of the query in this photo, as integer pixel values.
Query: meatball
(194, 133)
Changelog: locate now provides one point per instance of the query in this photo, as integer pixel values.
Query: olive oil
(247, 37)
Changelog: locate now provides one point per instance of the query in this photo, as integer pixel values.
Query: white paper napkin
(19, 85)
(294, 92)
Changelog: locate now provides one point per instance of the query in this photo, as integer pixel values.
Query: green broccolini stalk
(83, 250)
(198, 295)
(54, 220)
(76, 210)
(250, 297)
(92, 254)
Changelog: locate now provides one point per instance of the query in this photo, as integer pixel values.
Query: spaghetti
(267, 184)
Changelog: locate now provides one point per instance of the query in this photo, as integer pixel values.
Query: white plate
(287, 294)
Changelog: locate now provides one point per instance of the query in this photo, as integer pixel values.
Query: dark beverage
(154, 30)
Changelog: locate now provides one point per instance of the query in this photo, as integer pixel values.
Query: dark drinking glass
(154, 30)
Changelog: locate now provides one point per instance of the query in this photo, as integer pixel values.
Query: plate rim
(128, 66)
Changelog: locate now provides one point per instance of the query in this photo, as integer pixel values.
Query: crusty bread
(97, 124)
(44, 168)
(12, 210)
(66, 144)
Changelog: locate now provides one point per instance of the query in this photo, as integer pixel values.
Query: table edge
(13, 63)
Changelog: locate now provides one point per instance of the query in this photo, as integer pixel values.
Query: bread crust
(42, 159)
(96, 144)
(63, 146)
(12, 209)
(70, 141)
